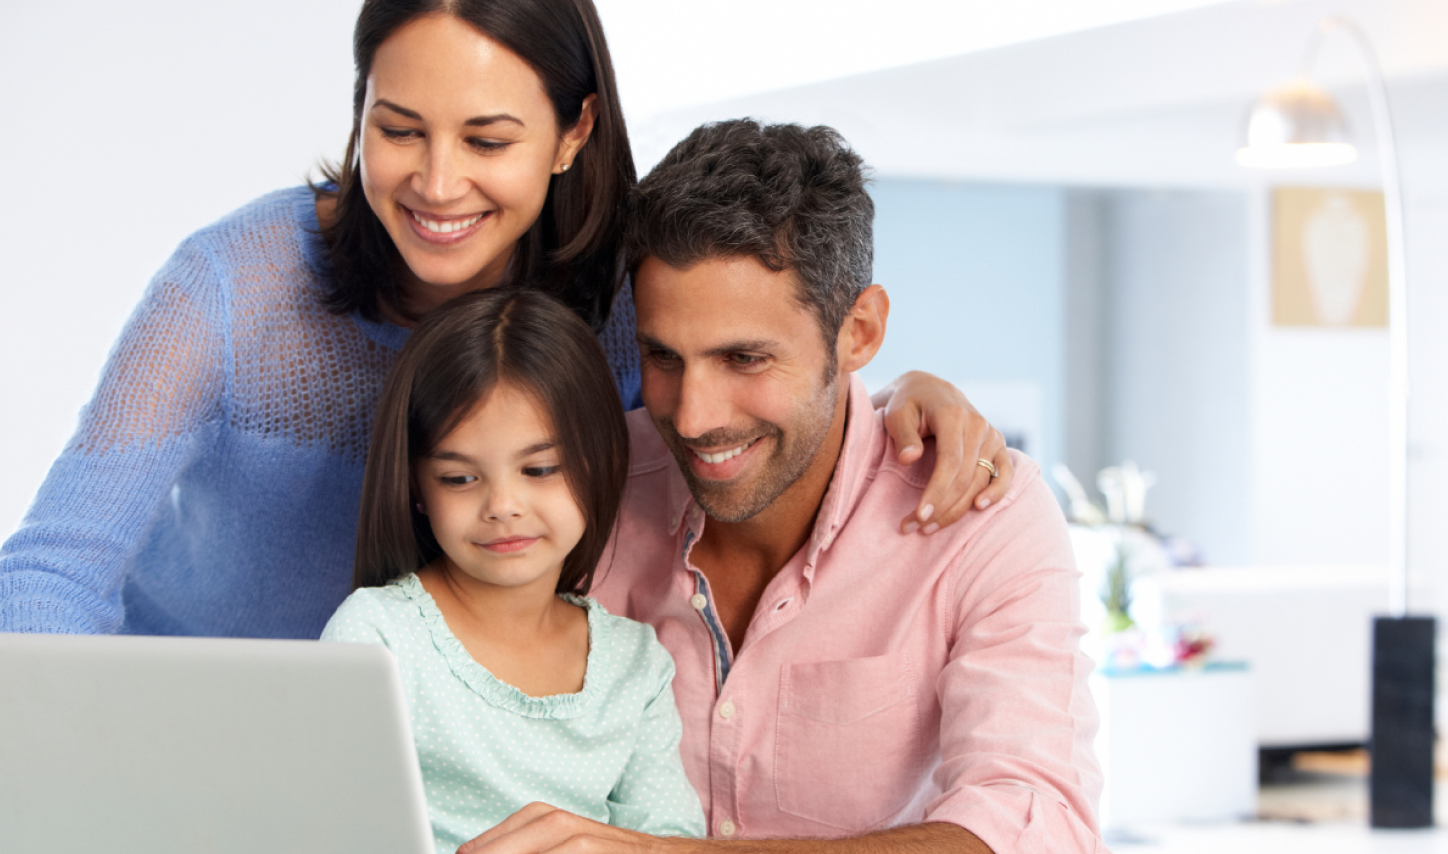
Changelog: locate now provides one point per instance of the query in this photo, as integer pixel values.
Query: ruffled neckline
(491, 688)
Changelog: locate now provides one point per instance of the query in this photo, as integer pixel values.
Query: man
(843, 686)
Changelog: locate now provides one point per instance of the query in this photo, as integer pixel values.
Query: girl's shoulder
(386, 614)
(624, 645)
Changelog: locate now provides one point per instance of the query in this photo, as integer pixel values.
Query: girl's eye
(542, 471)
(458, 479)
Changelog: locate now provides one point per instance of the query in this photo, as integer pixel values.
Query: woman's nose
(441, 180)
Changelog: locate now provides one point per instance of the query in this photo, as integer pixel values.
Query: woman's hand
(917, 405)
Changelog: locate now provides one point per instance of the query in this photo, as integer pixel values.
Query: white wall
(976, 277)
(1177, 360)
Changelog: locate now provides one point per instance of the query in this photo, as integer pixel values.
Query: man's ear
(863, 331)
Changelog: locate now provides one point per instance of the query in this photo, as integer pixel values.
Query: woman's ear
(863, 331)
(574, 138)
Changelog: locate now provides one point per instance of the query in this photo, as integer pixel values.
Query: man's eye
(745, 360)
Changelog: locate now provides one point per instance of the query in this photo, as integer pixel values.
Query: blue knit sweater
(212, 485)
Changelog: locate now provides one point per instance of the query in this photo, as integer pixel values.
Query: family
(757, 611)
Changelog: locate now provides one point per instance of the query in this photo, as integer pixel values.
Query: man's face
(737, 379)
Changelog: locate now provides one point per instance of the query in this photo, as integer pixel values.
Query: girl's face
(458, 145)
(496, 496)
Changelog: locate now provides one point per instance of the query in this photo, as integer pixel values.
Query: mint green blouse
(609, 752)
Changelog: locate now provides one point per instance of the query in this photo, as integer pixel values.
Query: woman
(212, 486)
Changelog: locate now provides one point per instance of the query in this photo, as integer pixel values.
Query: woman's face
(458, 145)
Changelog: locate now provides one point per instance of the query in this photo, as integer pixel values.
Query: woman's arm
(918, 405)
(63, 569)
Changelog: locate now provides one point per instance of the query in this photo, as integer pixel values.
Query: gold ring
(990, 467)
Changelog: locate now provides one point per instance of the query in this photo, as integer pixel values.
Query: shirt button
(727, 828)
(726, 711)
(699, 601)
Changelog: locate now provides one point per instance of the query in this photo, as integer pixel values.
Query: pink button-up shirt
(885, 679)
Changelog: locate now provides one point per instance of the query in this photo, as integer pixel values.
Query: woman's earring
(565, 167)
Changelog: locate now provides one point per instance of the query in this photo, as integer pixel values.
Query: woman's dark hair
(456, 357)
(573, 251)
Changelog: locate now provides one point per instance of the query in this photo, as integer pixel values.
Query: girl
(222, 454)
(497, 463)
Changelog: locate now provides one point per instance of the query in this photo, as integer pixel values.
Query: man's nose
(703, 402)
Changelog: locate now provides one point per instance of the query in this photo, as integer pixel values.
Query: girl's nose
(501, 504)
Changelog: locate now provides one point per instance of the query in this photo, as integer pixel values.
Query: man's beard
(793, 452)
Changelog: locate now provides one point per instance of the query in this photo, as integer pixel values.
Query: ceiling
(1152, 101)
(670, 54)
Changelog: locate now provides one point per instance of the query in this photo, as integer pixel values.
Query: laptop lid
(158, 745)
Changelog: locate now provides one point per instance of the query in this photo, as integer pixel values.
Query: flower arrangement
(1115, 547)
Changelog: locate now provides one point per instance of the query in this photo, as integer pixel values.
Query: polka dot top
(609, 752)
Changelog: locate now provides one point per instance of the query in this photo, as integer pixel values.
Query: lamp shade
(1294, 126)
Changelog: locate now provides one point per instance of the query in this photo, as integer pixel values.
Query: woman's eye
(542, 471)
(398, 133)
(487, 144)
(458, 479)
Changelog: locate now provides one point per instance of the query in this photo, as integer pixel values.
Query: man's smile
(721, 456)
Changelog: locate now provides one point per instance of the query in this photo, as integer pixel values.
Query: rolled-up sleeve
(1017, 718)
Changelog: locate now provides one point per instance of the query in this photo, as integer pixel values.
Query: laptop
(160, 745)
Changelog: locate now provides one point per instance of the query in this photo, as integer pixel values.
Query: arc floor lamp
(1299, 125)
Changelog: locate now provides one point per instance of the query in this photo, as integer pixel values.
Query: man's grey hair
(792, 197)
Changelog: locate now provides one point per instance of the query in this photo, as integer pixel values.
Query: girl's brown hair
(453, 361)
(573, 251)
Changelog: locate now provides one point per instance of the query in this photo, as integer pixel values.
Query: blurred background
(1065, 235)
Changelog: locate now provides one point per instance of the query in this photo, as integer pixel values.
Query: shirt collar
(850, 480)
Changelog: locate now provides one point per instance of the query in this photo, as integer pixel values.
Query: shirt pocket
(849, 752)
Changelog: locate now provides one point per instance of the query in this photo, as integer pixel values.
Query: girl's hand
(917, 405)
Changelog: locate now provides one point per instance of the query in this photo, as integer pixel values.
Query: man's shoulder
(648, 519)
(889, 484)
(1025, 527)
(647, 452)
(654, 482)
(914, 477)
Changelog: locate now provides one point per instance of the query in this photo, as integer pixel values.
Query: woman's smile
(445, 230)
